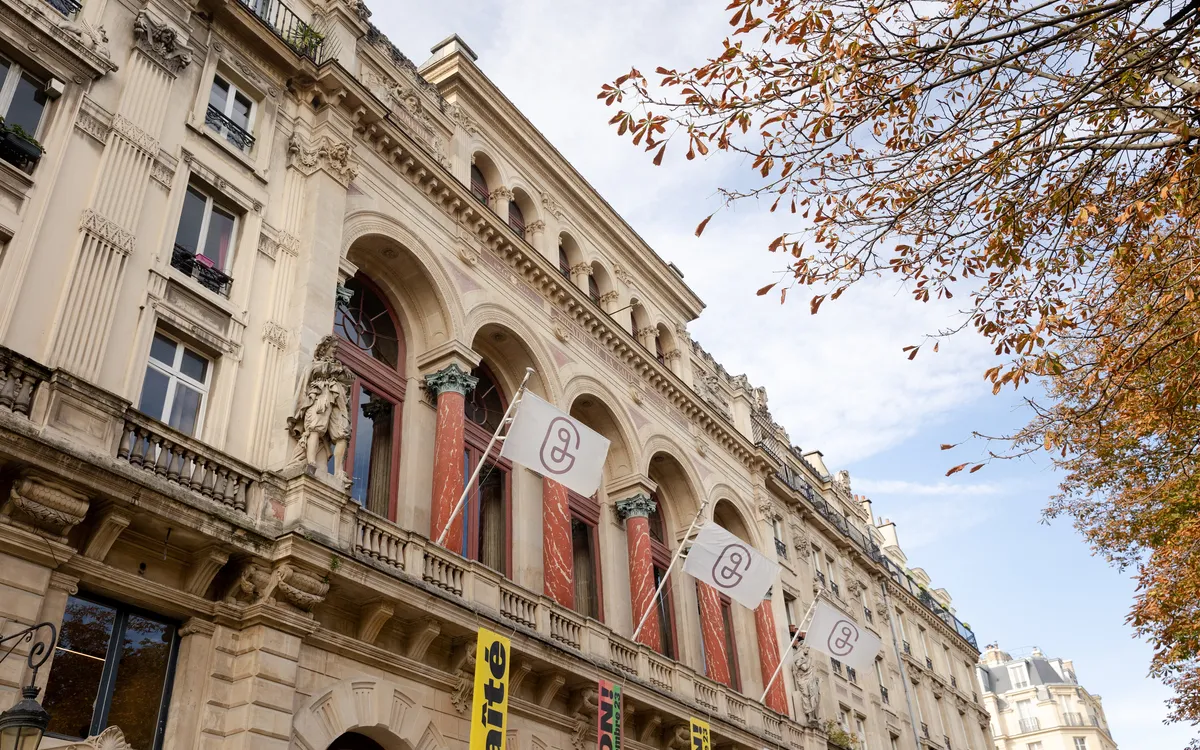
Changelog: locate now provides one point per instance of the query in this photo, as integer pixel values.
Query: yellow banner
(489, 711)
(701, 736)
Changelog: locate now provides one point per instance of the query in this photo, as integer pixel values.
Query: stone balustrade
(19, 379)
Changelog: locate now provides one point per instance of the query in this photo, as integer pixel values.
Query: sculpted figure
(322, 416)
(808, 687)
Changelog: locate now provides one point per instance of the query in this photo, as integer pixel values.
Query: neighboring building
(225, 184)
(1037, 703)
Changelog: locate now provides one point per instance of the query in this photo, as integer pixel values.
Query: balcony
(868, 616)
(852, 675)
(68, 8)
(283, 22)
(929, 663)
(19, 378)
(821, 579)
(19, 149)
(953, 682)
(883, 693)
(837, 666)
(924, 730)
(837, 590)
(1030, 725)
(238, 137)
(200, 269)
(780, 548)
(1072, 719)
(907, 649)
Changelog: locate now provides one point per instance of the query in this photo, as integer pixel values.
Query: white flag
(730, 565)
(553, 444)
(834, 633)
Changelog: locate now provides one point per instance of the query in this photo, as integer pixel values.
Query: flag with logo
(731, 566)
(554, 445)
(834, 633)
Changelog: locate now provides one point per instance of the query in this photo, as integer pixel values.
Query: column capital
(640, 505)
(451, 378)
(453, 352)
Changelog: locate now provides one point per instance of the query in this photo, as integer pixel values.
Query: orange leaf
(766, 288)
(703, 224)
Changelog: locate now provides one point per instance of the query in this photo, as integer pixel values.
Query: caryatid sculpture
(808, 687)
(321, 422)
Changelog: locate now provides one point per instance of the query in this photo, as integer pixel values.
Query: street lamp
(22, 726)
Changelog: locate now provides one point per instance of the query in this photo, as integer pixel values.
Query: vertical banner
(489, 708)
(608, 717)
(701, 736)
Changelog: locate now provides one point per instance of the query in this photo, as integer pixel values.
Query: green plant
(20, 132)
(839, 736)
(305, 38)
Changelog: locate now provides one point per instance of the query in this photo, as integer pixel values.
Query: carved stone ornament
(463, 120)
(552, 206)
(464, 677)
(808, 687)
(110, 739)
(287, 585)
(275, 334)
(583, 715)
(90, 37)
(640, 505)
(581, 269)
(768, 511)
(327, 154)
(450, 378)
(161, 43)
(608, 297)
(321, 420)
(842, 481)
(561, 332)
(467, 252)
(107, 230)
(45, 505)
(620, 272)
(501, 192)
(800, 541)
(537, 225)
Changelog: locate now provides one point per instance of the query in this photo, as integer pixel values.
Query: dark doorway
(354, 741)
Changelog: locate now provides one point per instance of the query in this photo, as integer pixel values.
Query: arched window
(593, 288)
(516, 218)
(564, 263)
(660, 554)
(479, 186)
(658, 350)
(374, 349)
(487, 514)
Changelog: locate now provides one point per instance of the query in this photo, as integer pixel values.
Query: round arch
(726, 512)
(511, 346)
(374, 707)
(488, 168)
(679, 490)
(592, 403)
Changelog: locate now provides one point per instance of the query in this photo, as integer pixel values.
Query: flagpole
(495, 437)
(791, 645)
(667, 574)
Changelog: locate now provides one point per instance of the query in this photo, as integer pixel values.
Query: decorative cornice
(640, 505)
(332, 156)
(107, 230)
(161, 44)
(450, 379)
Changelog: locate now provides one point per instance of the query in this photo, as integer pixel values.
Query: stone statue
(808, 687)
(322, 416)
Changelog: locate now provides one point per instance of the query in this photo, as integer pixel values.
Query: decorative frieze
(161, 43)
(89, 123)
(552, 206)
(135, 135)
(162, 173)
(108, 231)
(285, 584)
(332, 156)
(275, 334)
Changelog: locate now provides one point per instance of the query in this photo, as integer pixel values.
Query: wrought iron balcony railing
(211, 278)
(929, 663)
(907, 649)
(780, 548)
(285, 24)
(924, 730)
(68, 8)
(868, 615)
(1030, 725)
(953, 681)
(821, 578)
(883, 693)
(852, 675)
(237, 136)
(837, 590)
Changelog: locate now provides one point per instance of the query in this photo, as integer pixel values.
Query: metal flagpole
(666, 576)
(791, 645)
(505, 422)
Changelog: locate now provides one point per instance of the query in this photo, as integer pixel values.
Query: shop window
(112, 667)
(175, 387)
(205, 238)
(23, 103)
(231, 113)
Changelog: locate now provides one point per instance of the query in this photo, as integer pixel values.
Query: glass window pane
(78, 667)
(583, 569)
(492, 538)
(154, 393)
(190, 220)
(220, 236)
(27, 105)
(373, 452)
(141, 676)
(163, 349)
(194, 366)
(185, 411)
(5, 65)
(241, 111)
(219, 96)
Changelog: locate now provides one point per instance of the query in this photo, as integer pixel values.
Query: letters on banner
(489, 708)
(701, 734)
(608, 717)
(731, 566)
(555, 445)
(837, 635)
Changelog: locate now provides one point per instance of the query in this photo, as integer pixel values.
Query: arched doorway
(374, 348)
(355, 741)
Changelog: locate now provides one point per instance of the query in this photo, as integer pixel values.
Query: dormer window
(479, 186)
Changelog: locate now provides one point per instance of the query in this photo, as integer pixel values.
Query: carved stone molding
(105, 532)
(371, 619)
(552, 206)
(640, 505)
(107, 230)
(162, 173)
(135, 135)
(91, 125)
(467, 252)
(203, 568)
(581, 269)
(537, 225)
(463, 120)
(332, 156)
(161, 43)
(421, 635)
(110, 739)
(464, 672)
(500, 192)
(285, 585)
(45, 505)
(583, 711)
(608, 298)
(451, 378)
(620, 272)
(275, 335)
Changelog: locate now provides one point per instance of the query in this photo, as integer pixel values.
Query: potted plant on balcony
(840, 737)
(305, 39)
(19, 147)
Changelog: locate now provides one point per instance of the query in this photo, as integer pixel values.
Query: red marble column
(768, 656)
(449, 386)
(636, 512)
(558, 564)
(712, 626)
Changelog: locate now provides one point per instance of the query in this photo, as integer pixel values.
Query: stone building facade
(1037, 703)
(266, 288)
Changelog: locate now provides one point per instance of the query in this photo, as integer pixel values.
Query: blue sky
(837, 381)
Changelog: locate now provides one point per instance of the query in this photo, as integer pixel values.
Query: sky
(838, 381)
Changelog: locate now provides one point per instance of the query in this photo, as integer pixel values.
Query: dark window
(593, 289)
(487, 514)
(585, 555)
(22, 105)
(485, 406)
(564, 263)
(354, 741)
(375, 351)
(231, 113)
(479, 186)
(112, 667)
(735, 674)
(658, 351)
(516, 219)
(666, 613)
(204, 239)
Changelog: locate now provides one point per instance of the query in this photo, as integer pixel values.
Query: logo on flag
(730, 566)
(608, 717)
(835, 634)
(553, 444)
(489, 707)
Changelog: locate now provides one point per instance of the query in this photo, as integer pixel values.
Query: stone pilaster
(636, 512)
(449, 386)
(189, 692)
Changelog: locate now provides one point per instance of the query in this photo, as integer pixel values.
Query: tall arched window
(479, 186)
(374, 350)
(516, 218)
(661, 556)
(487, 514)
(564, 263)
(593, 288)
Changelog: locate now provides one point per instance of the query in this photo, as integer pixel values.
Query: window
(837, 666)
(516, 219)
(486, 517)
(860, 729)
(112, 667)
(895, 742)
(789, 609)
(564, 263)
(780, 544)
(22, 105)
(175, 387)
(231, 113)
(852, 675)
(666, 611)
(479, 186)
(204, 240)
(735, 673)
(585, 547)
(593, 289)
(879, 671)
(1019, 674)
(1034, 746)
(1080, 743)
(659, 354)
(374, 350)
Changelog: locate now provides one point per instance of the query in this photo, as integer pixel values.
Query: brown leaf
(703, 224)
(766, 288)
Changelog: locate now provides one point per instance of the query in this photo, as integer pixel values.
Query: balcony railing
(1030, 725)
(907, 649)
(68, 8)
(781, 548)
(852, 675)
(924, 730)
(305, 40)
(953, 681)
(868, 616)
(837, 590)
(883, 693)
(929, 663)
(19, 379)
(1072, 719)
(238, 137)
(209, 277)
(821, 578)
